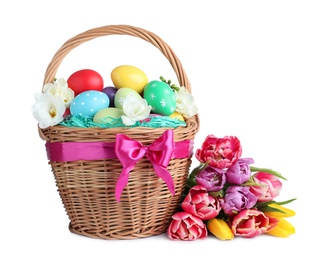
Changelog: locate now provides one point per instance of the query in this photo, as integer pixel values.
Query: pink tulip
(185, 226)
(269, 186)
(252, 222)
(219, 152)
(200, 204)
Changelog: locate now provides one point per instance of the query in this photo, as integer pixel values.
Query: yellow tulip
(220, 229)
(277, 214)
(282, 229)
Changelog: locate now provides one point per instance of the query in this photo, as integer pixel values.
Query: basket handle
(117, 30)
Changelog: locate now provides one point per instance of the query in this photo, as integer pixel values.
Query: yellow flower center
(52, 111)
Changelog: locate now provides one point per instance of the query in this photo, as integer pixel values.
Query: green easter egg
(107, 115)
(160, 96)
(121, 94)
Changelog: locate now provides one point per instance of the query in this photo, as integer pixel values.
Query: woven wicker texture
(87, 188)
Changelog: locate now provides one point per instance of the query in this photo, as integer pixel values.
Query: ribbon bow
(159, 153)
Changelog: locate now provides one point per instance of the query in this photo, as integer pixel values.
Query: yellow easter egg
(107, 115)
(177, 115)
(127, 76)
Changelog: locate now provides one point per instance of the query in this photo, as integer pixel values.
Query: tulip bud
(220, 229)
(282, 229)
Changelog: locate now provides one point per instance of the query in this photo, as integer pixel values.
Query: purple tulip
(213, 179)
(240, 171)
(238, 198)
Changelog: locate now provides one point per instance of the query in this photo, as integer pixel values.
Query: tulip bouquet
(228, 197)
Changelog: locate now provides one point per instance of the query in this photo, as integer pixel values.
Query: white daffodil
(134, 108)
(48, 109)
(60, 88)
(185, 103)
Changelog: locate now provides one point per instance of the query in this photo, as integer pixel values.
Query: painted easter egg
(160, 97)
(127, 76)
(121, 94)
(177, 115)
(88, 103)
(107, 115)
(84, 80)
(110, 91)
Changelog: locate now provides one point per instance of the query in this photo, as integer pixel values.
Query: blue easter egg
(88, 103)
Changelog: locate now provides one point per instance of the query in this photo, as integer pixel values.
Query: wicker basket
(87, 187)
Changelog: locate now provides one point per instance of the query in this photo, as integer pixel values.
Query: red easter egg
(84, 80)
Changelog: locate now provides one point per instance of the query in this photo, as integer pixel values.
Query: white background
(254, 67)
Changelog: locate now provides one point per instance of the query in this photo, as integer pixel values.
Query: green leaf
(264, 206)
(271, 209)
(250, 182)
(260, 205)
(214, 194)
(275, 173)
(284, 202)
(190, 183)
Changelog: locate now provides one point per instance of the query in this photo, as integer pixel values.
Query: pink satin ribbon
(128, 151)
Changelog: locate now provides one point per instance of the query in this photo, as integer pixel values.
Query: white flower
(48, 109)
(135, 108)
(60, 88)
(185, 103)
